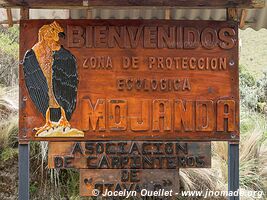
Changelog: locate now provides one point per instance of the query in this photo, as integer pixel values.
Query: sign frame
(26, 106)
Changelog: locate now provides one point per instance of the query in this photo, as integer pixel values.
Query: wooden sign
(129, 183)
(128, 80)
(129, 155)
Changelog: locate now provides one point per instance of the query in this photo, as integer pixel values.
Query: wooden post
(233, 148)
(167, 13)
(243, 17)
(233, 169)
(24, 149)
(24, 171)
(89, 13)
(232, 14)
(9, 17)
(24, 13)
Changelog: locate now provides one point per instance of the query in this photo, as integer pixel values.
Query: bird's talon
(37, 129)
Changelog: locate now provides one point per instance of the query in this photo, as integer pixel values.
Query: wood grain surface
(129, 155)
(174, 3)
(146, 79)
(137, 182)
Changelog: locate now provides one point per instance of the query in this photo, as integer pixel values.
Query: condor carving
(51, 78)
(138, 80)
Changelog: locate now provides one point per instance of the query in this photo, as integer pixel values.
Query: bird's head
(49, 34)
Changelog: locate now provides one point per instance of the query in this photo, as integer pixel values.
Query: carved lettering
(100, 36)
(183, 115)
(209, 38)
(98, 63)
(163, 85)
(134, 35)
(166, 37)
(187, 63)
(226, 115)
(161, 115)
(141, 123)
(117, 118)
(116, 36)
(191, 38)
(75, 36)
(226, 36)
(93, 116)
(204, 115)
(130, 62)
(150, 33)
(149, 36)
(89, 37)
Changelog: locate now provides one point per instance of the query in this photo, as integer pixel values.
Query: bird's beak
(61, 34)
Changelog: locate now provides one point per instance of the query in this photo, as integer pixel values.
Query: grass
(8, 153)
(253, 161)
(253, 156)
(9, 41)
(8, 135)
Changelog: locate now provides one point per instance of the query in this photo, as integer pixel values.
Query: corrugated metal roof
(256, 18)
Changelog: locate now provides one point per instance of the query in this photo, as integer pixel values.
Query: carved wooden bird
(50, 73)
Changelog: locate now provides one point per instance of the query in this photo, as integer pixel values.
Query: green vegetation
(253, 92)
(8, 153)
(9, 41)
(63, 184)
(9, 51)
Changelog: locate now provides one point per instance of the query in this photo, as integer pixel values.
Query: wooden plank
(142, 80)
(116, 183)
(243, 17)
(6, 22)
(232, 14)
(161, 3)
(89, 13)
(24, 172)
(129, 155)
(258, 3)
(24, 13)
(9, 17)
(167, 13)
(233, 169)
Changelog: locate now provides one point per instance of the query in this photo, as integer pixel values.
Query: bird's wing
(35, 82)
(65, 80)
